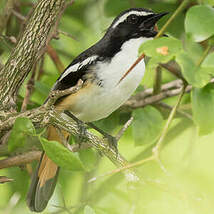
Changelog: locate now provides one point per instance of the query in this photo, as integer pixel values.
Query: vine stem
(178, 10)
(156, 149)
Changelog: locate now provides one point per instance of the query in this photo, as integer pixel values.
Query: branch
(32, 155)
(123, 129)
(20, 159)
(4, 179)
(29, 89)
(29, 48)
(157, 80)
(182, 113)
(98, 143)
(46, 115)
(55, 58)
(139, 100)
(156, 149)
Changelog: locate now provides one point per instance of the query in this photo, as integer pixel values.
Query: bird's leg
(112, 141)
(81, 125)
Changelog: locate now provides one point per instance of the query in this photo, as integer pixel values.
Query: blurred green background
(186, 186)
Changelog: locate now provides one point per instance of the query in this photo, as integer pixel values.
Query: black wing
(75, 71)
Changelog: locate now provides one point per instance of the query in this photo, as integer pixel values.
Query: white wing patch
(124, 17)
(78, 66)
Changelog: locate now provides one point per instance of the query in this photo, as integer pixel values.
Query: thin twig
(156, 149)
(18, 15)
(157, 81)
(123, 129)
(136, 103)
(55, 30)
(55, 58)
(4, 179)
(67, 34)
(183, 113)
(29, 89)
(40, 69)
(128, 166)
(20, 159)
(178, 10)
(158, 75)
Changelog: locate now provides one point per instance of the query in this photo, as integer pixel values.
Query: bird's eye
(132, 19)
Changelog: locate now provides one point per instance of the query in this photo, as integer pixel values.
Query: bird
(106, 86)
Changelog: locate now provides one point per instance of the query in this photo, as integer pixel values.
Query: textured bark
(43, 116)
(31, 44)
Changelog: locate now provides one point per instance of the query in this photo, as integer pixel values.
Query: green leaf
(194, 50)
(196, 76)
(21, 128)
(88, 158)
(208, 63)
(202, 107)
(88, 210)
(61, 155)
(199, 22)
(150, 48)
(147, 125)
(160, 50)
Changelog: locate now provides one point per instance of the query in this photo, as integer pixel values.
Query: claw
(112, 142)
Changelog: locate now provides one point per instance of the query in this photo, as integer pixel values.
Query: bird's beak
(150, 22)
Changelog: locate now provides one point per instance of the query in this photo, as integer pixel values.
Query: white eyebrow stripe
(124, 17)
(78, 66)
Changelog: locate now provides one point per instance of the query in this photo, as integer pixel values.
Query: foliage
(61, 156)
(186, 152)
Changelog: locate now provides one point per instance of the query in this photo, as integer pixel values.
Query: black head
(134, 23)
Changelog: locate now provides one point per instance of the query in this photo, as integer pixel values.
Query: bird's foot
(112, 142)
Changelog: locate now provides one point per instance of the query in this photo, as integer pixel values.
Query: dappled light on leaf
(163, 50)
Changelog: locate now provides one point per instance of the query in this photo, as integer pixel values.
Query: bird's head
(134, 23)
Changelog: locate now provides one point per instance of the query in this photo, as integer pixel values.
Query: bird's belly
(97, 102)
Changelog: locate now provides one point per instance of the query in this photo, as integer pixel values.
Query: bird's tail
(44, 179)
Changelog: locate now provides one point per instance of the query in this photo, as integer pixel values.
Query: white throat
(112, 72)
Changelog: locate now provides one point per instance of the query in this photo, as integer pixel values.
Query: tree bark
(29, 48)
